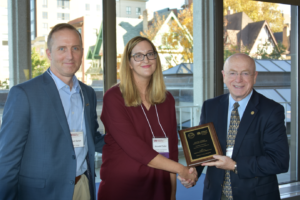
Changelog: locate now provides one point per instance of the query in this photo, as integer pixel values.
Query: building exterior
(90, 30)
(243, 35)
(273, 82)
(285, 36)
(46, 13)
(86, 16)
(170, 55)
(130, 8)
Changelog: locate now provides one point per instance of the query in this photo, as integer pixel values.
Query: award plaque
(199, 144)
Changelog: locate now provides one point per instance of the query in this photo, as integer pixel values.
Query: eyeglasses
(140, 57)
(233, 75)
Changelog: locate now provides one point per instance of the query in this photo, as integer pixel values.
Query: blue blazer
(37, 158)
(261, 149)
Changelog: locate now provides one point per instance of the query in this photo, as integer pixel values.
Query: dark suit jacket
(37, 158)
(261, 149)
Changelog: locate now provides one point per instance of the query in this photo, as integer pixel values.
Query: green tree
(4, 84)
(275, 54)
(38, 65)
(257, 11)
(233, 49)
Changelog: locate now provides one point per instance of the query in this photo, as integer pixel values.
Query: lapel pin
(87, 104)
(252, 112)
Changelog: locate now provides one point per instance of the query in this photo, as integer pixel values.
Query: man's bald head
(239, 75)
(238, 56)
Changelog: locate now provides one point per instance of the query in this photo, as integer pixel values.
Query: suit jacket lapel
(52, 93)
(248, 116)
(221, 128)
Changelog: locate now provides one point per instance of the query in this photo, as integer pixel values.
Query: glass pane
(266, 37)
(169, 25)
(164, 27)
(86, 16)
(4, 56)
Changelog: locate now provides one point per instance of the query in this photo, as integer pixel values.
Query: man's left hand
(223, 162)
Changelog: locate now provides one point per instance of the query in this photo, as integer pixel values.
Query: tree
(258, 11)
(157, 22)
(4, 84)
(179, 33)
(38, 65)
(276, 54)
(233, 50)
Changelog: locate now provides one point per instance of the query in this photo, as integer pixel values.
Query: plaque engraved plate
(199, 144)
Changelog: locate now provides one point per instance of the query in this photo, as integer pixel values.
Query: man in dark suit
(49, 132)
(251, 132)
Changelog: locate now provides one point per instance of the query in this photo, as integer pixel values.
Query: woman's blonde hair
(156, 90)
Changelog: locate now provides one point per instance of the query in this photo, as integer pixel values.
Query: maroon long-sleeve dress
(128, 149)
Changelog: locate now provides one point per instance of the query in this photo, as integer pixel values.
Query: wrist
(235, 168)
(181, 170)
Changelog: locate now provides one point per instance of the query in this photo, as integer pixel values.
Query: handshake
(188, 177)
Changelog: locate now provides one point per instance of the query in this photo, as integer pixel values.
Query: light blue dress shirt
(72, 103)
(243, 104)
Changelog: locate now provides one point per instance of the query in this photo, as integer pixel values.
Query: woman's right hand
(188, 177)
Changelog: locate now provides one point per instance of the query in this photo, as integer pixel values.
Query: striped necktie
(233, 127)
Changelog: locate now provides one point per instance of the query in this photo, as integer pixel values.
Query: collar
(243, 103)
(60, 84)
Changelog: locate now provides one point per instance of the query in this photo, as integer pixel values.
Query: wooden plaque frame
(188, 135)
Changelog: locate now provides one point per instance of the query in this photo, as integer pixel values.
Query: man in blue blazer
(49, 132)
(260, 150)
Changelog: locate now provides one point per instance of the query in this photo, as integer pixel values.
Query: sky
(155, 5)
(285, 8)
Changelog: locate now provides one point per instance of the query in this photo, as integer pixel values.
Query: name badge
(161, 145)
(77, 139)
(229, 152)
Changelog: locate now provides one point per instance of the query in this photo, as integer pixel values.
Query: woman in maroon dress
(140, 121)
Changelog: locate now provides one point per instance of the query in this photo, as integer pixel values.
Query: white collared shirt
(72, 103)
(241, 109)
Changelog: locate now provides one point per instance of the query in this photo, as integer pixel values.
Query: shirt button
(72, 113)
(74, 157)
(72, 182)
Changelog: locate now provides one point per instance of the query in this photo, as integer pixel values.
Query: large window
(161, 24)
(45, 15)
(45, 3)
(45, 26)
(138, 11)
(73, 12)
(128, 10)
(98, 8)
(267, 38)
(178, 64)
(87, 7)
(63, 16)
(32, 20)
(63, 4)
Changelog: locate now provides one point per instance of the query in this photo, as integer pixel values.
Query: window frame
(128, 10)
(45, 4)
(218, 14)
(138, 11)
(45, 15)
(87, 7)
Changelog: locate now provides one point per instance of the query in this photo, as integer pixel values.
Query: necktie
(233, 127)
